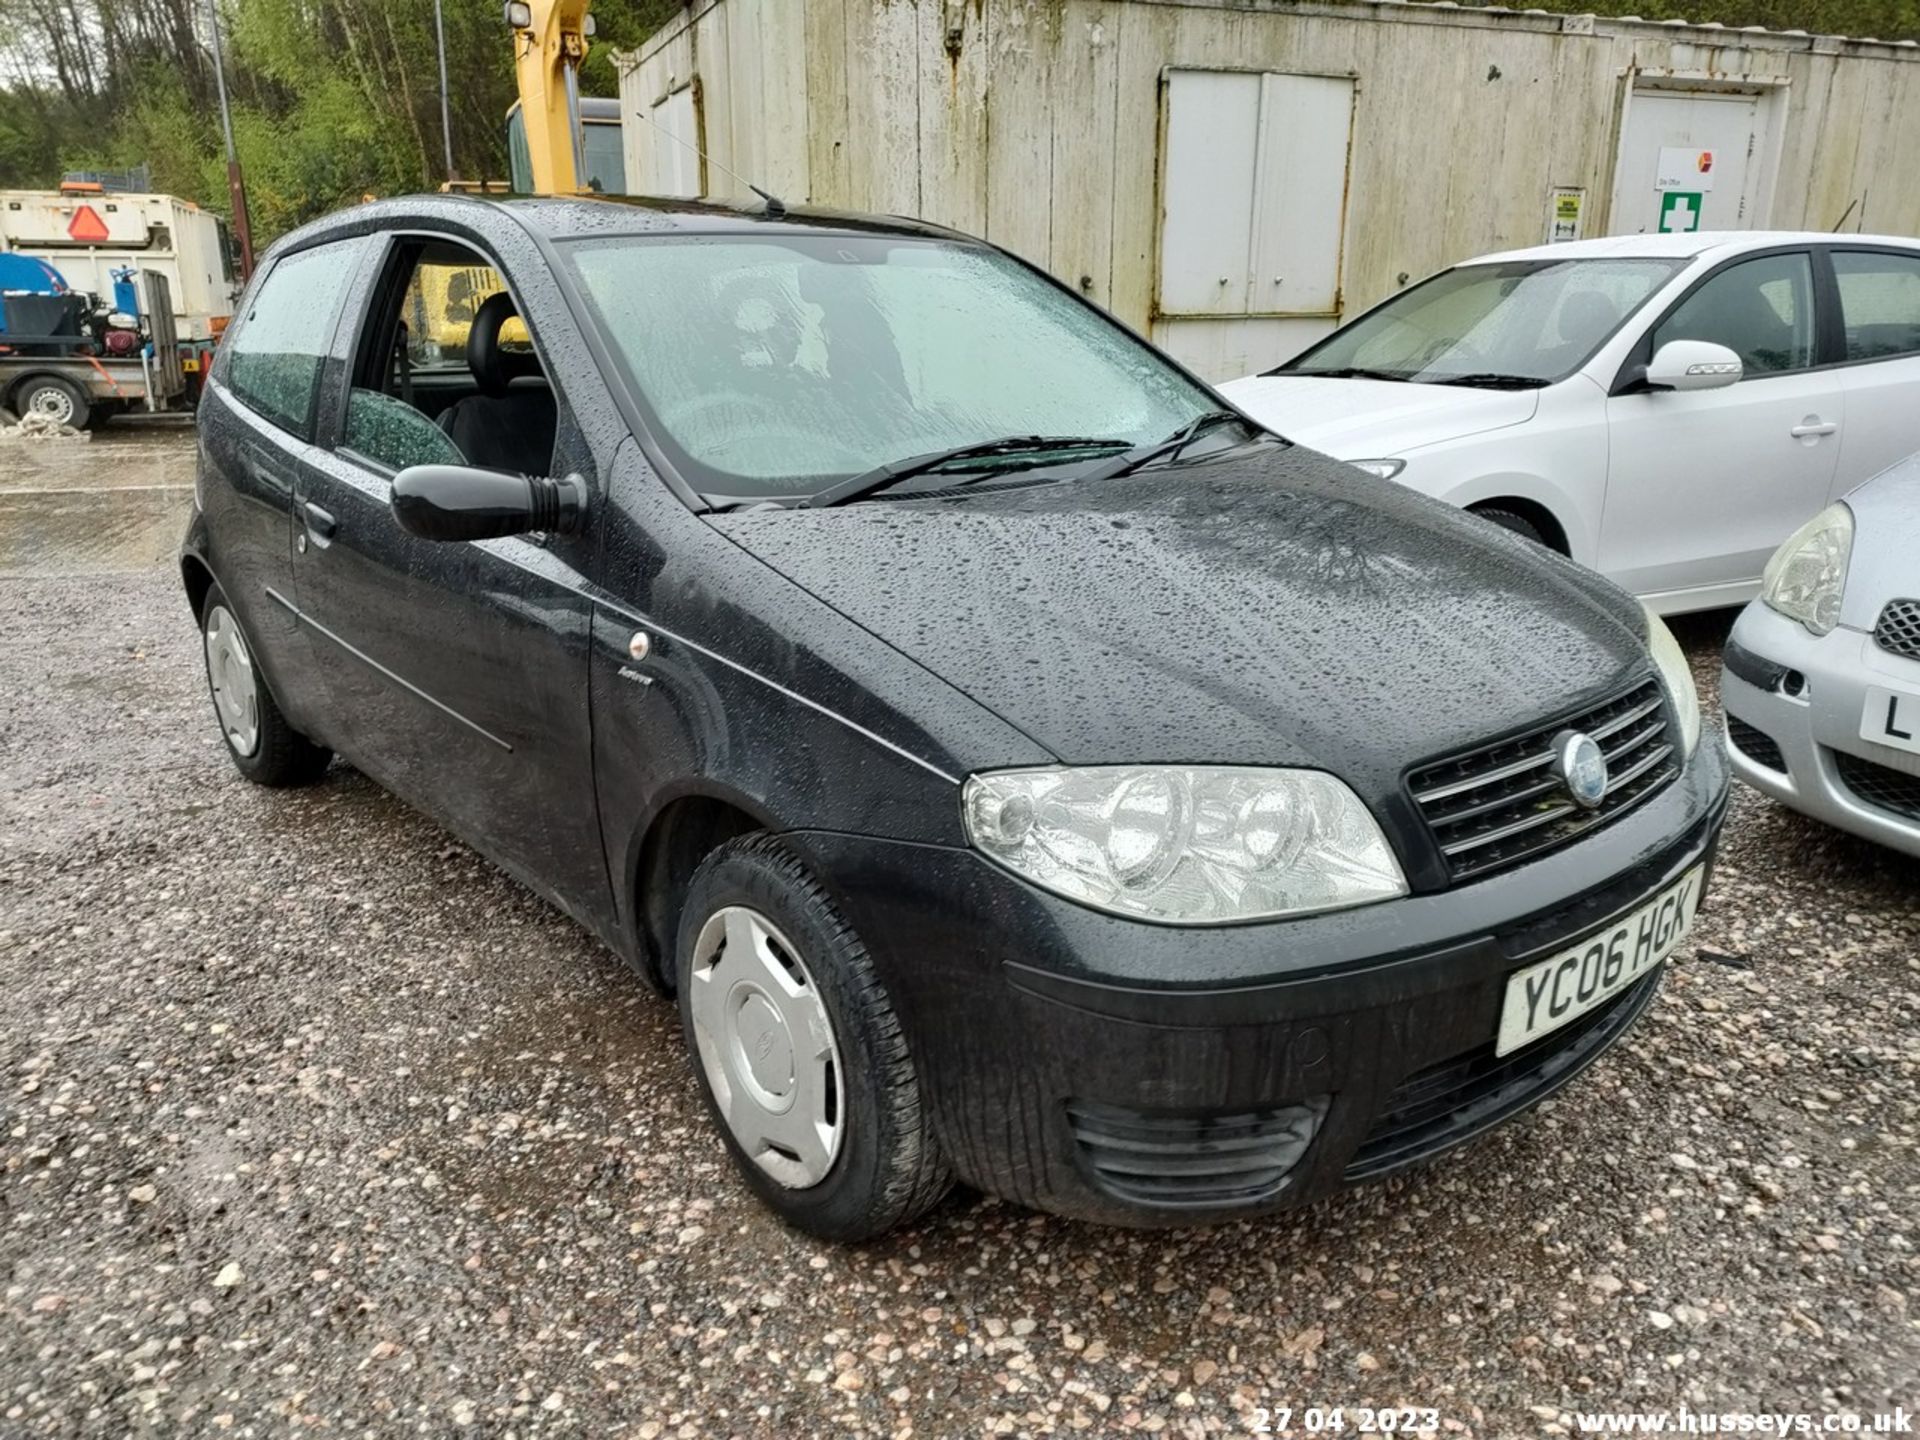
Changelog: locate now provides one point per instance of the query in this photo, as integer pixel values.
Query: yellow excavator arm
(549, 42)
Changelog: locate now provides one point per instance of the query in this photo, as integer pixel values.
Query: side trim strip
(386, 674)
(814, 705)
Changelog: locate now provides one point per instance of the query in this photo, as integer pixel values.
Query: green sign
(1679, 211)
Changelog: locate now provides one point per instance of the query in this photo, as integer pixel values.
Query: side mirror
(458, 502)
(1693, 365)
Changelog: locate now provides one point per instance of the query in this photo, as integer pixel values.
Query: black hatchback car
(1020, 766)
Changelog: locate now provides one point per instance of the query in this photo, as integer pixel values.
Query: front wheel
(263, 746)
(1512, 521)
(798, 1049)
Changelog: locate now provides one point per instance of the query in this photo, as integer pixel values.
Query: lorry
(110, 300)
(86, 231)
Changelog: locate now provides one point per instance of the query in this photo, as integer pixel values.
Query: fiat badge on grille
(1581, 766)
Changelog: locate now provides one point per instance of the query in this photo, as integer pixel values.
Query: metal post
(236, 183)
(446, 119)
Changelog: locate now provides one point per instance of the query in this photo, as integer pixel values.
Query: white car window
(1760, 309)
(1523, 321)
(1879, 303)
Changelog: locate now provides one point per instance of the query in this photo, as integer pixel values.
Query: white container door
(1206, 222)
(1253, 192)
(1300, 194)
(1690, 161)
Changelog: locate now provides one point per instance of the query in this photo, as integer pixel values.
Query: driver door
(1703, 485)
(457, 671)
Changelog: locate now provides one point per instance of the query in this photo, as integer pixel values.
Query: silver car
(1822, 677)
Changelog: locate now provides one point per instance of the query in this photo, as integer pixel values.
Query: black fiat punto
(1020, 766)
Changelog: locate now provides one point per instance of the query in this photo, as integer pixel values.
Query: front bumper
(1794, 745)
(1319, 1051)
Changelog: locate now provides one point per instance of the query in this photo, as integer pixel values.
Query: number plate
(1558, 990)
(1892, 717)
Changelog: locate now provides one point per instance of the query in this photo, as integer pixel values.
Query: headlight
(1385, 469)
(1677, 675)
(1807, 576)
(1185, 845)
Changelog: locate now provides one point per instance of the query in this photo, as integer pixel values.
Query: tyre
(798, 1050)
(1518, 524)
(265, 748)
(57, 399)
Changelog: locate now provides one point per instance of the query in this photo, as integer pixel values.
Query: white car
(1822, 677)
(1663, 408)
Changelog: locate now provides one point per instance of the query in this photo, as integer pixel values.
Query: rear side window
(1879, 303)
(274, 359)
(1762, 310)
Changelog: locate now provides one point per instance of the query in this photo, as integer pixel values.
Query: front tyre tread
(890, 1170)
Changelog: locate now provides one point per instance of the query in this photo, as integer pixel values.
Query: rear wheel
(59, 400)
(265, 748)
(1510, 520)
(798, 1050)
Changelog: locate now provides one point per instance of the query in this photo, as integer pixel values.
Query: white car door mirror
(1693, 365)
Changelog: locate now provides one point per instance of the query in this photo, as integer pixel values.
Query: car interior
(447, 372)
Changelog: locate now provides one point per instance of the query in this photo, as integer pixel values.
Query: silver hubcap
(230, 670)
(54, 404)
(767, 1046)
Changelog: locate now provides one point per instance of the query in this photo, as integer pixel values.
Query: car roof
(1714, 244)
(578, 216)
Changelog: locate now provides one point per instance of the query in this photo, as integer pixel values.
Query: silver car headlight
(1385, 469)
(1185, 845)
(1676, 674)
(1807, 577)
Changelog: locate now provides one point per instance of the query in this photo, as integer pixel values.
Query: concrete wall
(1037, 123)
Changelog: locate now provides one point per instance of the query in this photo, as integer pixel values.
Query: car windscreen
(1527, 321)
(773, 366)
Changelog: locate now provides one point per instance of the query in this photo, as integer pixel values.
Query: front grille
(1189, 1161)
(1893, 790)
(1755, 744)
(1451, 1102)
(1500, 805)
(1898, 629)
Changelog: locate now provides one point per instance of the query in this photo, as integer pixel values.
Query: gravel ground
(314, 1122)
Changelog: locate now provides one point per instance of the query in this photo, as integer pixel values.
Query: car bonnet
(1269, 607)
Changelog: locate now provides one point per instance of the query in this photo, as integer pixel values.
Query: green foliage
(1876, 19)
(332, 99)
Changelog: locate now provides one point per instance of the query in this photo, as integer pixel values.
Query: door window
(428, 389)
(274, 359)
(1879, 303)
(446, 290)
(1762, 310)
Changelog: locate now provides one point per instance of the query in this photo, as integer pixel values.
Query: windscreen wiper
(881, 476)
(1490, 380)
(1344, 372)
(1146, 454)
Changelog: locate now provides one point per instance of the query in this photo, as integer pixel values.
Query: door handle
(1813, 425)
(319, 521)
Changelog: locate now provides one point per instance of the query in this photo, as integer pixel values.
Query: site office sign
(1683, 177)
(1684, 167)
